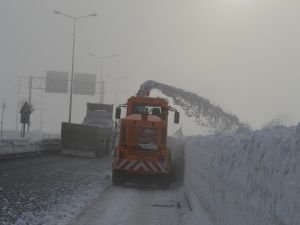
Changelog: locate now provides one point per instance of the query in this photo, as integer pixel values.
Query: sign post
(25, 111)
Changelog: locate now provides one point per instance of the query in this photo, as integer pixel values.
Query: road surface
(37, 186)
(136, 205)
(52, 189)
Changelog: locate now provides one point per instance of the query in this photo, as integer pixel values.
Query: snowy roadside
(11, 144)
(251, 177)
(135, 204)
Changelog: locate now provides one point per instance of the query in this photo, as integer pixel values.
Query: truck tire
(118, 177)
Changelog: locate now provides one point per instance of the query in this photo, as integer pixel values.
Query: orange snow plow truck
(142, 150)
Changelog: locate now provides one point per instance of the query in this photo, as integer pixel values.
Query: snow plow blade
(93, 137)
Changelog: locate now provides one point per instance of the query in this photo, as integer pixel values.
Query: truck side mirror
(118, 113)
(176, 117)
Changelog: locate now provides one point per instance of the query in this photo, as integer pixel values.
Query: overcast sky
(240, 54)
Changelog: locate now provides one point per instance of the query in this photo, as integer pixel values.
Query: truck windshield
(148, 109)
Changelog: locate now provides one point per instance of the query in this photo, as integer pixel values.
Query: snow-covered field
(251, 177)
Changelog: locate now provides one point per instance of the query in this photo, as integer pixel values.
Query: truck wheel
(118, 177)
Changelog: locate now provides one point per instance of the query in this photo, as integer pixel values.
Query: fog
(240, 54)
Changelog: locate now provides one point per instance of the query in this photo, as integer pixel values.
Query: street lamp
(117, 79)
(74, 18)
(102, 58)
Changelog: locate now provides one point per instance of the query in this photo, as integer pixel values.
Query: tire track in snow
(135, 205)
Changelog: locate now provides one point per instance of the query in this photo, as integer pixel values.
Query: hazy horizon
(240, 54)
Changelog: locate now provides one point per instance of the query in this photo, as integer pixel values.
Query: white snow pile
(16, 145)
(205, 114)
(11, 144)
(250, 177)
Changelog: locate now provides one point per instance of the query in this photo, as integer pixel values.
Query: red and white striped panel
(147, 166)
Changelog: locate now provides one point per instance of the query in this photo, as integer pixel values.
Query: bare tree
(2, 117)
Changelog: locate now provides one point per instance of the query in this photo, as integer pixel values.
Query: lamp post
(102, 58)
(2, 117)
(117, 79)
(75, 19)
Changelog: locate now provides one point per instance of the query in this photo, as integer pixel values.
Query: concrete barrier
(23, 146)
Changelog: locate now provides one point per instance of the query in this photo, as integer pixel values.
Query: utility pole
(117, 79)
(2, 117)
(19, 81)
(42, 112)
(101, 100)
(74, 19)
(29, 98)
(102, 84)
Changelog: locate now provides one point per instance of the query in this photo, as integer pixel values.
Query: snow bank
(251, 177)
(34, 142)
